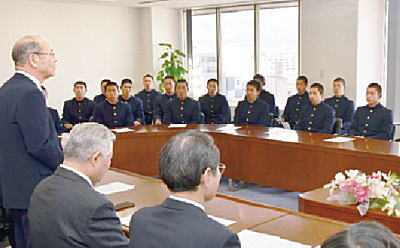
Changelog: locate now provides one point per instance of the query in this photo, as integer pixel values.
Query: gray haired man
(65, 210)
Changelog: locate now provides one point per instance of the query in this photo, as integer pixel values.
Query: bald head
(35, 56)
(25, 46)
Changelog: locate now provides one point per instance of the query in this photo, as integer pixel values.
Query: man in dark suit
(161, 101)
(101, 97)
(65, 210)
(29, 146)
(214, 106)
(148, 96)
(189, 166)
(135, 103)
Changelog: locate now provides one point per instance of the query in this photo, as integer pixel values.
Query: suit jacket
(29, 146)
(254, 114)
(316, 118)
(66, 211)
(176, 224)
(56, 120)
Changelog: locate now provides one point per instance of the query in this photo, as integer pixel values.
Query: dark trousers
(148, 118)
(21, 227)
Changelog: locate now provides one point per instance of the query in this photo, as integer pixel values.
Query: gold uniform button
(309, 128)
(181, 114)
(297, 109)
(368, 117)
(300, 97)
(249, 112)
(114, 107)
(247, 119)
(212, 111)
(181, 108)
(366, 124)
(310, 122)
(115, 113)
(79, 111)
(337, 100)
(371, 111)
(336, 106)
(312, 115)
(314, 109)
(251, 106)
(115, 121)
(365, 131)
(182, 103)
(212, 106)
(183, 122)
(79, 104)
(80, 117)
(298, 103)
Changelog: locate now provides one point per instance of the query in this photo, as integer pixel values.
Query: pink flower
(362, 193)
(349, 185)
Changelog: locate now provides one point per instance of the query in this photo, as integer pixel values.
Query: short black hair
(105, 81)
(148, 75)
(111, 84)
(339, 79)
(126, 81)
(80, 83)
(364, 234)
(212, 80)
(259, 77)
(182, 81)
(303, 78)
(376, 86)
(185, 157)
(169, 77)
(319, 86)
(255, 84)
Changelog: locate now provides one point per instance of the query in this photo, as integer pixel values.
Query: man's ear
(94, 159)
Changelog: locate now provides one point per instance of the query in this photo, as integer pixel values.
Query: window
(234, 43)
(237, 52)
(204, 46)
(279, 51)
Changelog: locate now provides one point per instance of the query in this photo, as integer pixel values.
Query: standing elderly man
(29, 146)
(65, 209)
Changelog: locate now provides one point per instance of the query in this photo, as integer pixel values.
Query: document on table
(339, 139)
(228, 127)
(122, 130)
(222, 221)
(177, 125)
(250, 239)
(286, 125)
(112, 188)
(125, 221)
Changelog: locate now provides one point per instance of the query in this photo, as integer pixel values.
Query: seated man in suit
(53, 113)
(65, 210)
(112, 112)
(182, 109)
(296, 103)
(102, 96)
(148, 96)
(343, 106)
(373, 120)
(214, 106)
(160, 103)
(189, 166)
(252, 110)
(265, 95)
(136, 104)
(317, 117)
(79, 109)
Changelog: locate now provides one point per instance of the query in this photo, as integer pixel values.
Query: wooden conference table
(292, 160)
(314, 202)
(289, 225)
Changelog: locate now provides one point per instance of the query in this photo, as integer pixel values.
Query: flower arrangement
(376, 191)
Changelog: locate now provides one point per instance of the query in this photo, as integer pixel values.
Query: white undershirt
(196, 204)
(78, 173)
(35, 80)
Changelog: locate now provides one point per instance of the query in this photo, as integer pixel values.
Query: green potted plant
(172, 64)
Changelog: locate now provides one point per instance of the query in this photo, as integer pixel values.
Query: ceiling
(173, 4)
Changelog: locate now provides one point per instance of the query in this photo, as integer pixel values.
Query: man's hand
(68, 126)
(158, 122)
(137, 123)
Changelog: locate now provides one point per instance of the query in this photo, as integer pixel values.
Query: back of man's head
(87, 139)
(185, 157)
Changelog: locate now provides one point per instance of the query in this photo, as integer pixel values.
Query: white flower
(339, 178)
(352, 173)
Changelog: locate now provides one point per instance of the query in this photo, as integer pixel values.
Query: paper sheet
(222, 221)
(286, 125)
(250, 239)
(122, 130)
(112, 188)
(228, 128)
(177, 125)
(125, 221)
(339, 139)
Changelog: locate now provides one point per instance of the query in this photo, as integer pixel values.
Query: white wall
(328, 42)
(370, 46)
(91, 42)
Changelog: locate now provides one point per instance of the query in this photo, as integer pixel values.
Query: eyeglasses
(50, 54)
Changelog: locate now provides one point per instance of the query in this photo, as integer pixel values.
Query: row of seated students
(306, 111)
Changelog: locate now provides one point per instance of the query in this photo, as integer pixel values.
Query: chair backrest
(338, 125)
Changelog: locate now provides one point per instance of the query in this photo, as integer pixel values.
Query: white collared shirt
(78, 173)
(35, 80)
(196, 204)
